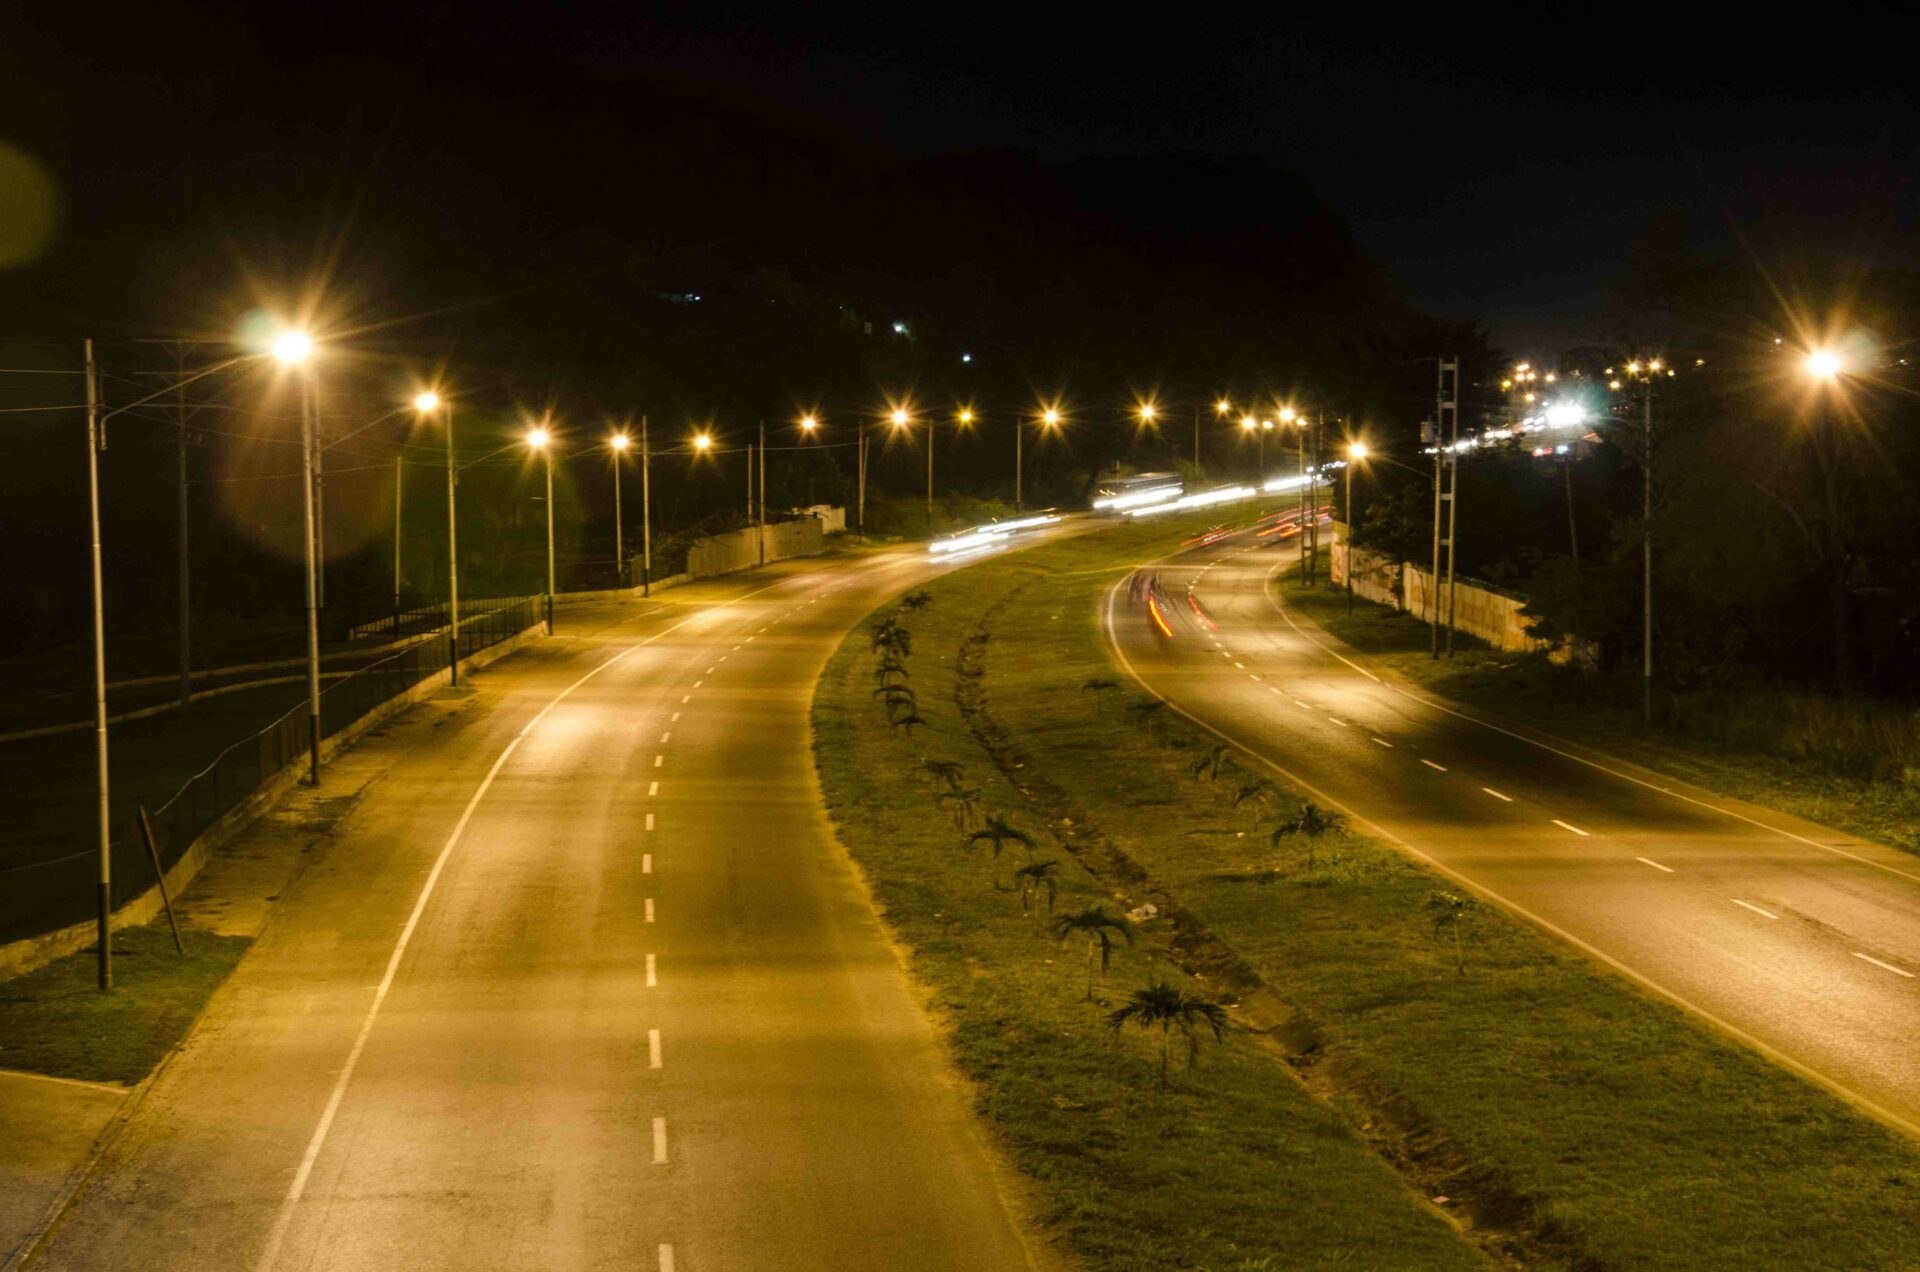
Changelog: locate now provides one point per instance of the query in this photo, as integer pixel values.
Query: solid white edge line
(1748, 905)
(1458, 714)
(1897, 971)
(1727, 1027)
(1649, 861)
(1570, 826)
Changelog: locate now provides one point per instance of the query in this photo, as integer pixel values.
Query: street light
(619, 443)
(1822, 364)
(1049, 419)
(539, 439)
(426, 402)
(295, 349)
(1356, 451)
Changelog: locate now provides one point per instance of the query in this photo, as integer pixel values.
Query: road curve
(584, 983)
(1801, 940)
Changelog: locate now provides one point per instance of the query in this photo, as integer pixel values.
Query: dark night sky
(1501, 167)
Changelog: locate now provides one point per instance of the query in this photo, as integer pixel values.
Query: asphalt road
(585, 983)
(1799, 939)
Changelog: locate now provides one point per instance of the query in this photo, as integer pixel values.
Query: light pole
(426, 402)
(1049, 418)
(1356, 451)
(542, 440)
(1645, 372)
(618, 443)
(646, 515)
(1825, 368)
(295, 349)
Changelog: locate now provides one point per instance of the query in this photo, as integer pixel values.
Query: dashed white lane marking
(651, 981)
(666, 737)
(1649, 861)
(709, 672)
(1383, 742)
(1242, 666)
(1337, 720)
(653, 788)
(646, 863)
(649, 909)
(734, 650)
(649, 821)
(1748, 905)
(659, 1141)
(653, 1048)
(684, 701)
(1254, 674)
(698, 683)
(1430, 764)
(666, 1251)
(1897, 971)
(1497, 795)
(1569, 826)
(675, 719)
(658, 760)
(1303, 704)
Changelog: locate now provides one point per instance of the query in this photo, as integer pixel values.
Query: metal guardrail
(45, 896)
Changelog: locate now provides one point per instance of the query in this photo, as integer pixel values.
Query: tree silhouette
(908, 722)
(890, 667)
(1210, 765)
(889, 637)
(946, 770)
(1145, 714)
(961, 805)
(1170, 1008)
(1259, 792)
(917, 600)
(896, 697)
(999, 832)
(1032, 877)
(1310, 822)
(1097, 924)
(1100, 687)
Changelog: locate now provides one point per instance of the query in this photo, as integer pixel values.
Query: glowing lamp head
(1249, 423)
(292, 348)
(809, 423)
(1358, 450)
(619, 441)
(899, 417)
(1267, 424)
(702, 441)
(1823, 364)
(538, 438)
(1051, 417)
(966, 417)
(1288, 415)
(426, 401)
(1147, 413)
(1566, 415)
(1222, 407)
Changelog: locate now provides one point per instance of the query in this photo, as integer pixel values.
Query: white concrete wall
(741, 549)
(1478, 610)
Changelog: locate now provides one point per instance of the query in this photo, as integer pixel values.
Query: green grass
(1238, 1166)
(1848, 763)
(1566, 1111)
(55, 1020)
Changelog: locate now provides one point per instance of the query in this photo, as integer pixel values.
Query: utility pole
(860, 458)
(180, 457)
(319, 498)
(1196, 441)
(1019, 431)
(929, 474)
(1646, 558)
(310, 490)
(646, 516)
(1449, 402)
(547, 450)
(619, 530)
(1430, 433)
(453, 558)
(762, 500)
(1313, 504)
(104, 933)
(399, 480)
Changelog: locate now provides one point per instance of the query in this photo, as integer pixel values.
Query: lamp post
(1825, 368)
(646, 515)
(294, 349)
(1645, 372)
(1356, 451)
(618, 443)
(541, 440)
(427, 402)
(1049, 419)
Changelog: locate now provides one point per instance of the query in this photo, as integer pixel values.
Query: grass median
(57, 1021)
(1237, 1165)
(1574, 1120)
(1847, 763)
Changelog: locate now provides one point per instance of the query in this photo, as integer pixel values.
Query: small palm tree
(1209, 766)
(1145, 714)
(1100, 687)
(946, 770)
(1097, 924)
(1170, 1008)
(908, 722)
(1449, 910)
(916, 600)
(961, 805)
(888, 668)
(1311, 822)
(896, 696)
(999, 832)
(1259, 792)
(890, 637)
(1032, 877)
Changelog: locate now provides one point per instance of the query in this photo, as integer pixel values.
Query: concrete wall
(741, 550)
(1478, 609)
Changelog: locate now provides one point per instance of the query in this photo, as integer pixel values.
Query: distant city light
(1566, 414)
(899, 328)
(966, 357)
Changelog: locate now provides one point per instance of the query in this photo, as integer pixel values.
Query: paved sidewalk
(48, 1127)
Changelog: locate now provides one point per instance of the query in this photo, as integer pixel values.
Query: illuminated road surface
(584, 982)
(1801, 939)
